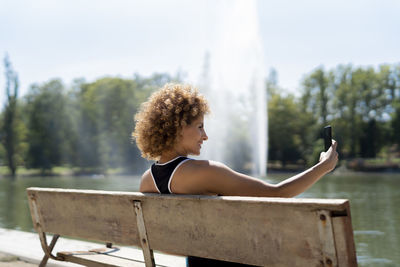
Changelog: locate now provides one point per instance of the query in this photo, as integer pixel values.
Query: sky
(67, 39)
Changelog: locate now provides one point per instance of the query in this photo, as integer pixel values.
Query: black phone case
(327, 137)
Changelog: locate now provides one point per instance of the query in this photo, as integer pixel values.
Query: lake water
(374, 201)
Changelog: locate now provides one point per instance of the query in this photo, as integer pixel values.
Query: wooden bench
(251, 230)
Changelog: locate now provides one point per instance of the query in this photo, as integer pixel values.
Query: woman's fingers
(330, 157)
(334, 145)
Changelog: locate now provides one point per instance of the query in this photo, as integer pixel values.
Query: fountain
(233, 82)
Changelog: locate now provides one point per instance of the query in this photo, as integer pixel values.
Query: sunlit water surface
(374, 200)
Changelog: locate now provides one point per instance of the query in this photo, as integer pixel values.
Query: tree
(9, 133)
(284, 129)
(395, 124)
(105, 121)
(316, 94)
(48, 126)
(390, 81)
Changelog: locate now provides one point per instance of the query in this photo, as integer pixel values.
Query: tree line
(87, 126)
(362, 104)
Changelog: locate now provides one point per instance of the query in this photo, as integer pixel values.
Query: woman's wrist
(324, 167)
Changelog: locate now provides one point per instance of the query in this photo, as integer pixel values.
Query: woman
(170, 126)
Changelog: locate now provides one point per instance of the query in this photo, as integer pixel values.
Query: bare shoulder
(146, 175)
(147, 184)
(198, 177)
(203, 166)
(212, 177)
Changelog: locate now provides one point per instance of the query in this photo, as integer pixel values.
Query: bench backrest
(258, 231)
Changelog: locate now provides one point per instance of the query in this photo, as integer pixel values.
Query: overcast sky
(70, 39)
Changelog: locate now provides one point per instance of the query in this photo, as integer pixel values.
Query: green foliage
(107, 107)
(395, 123)
(47, 124)
(317, 94)
(362, 105)
(11, 128)
(289, 128)
(88, 126)
(283, 144)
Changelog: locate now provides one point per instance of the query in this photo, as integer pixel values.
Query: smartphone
(327, 137)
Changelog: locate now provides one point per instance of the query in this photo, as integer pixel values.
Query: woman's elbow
(283, 191)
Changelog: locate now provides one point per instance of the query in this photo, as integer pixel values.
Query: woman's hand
(329, 158)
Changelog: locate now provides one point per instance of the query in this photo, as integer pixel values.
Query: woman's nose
(205, 137)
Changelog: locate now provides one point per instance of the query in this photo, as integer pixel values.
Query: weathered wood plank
(147, 252)
(258, 231)
(98, 260)
(322, 203)
(344, 237)
(103, 218)
(327, 239)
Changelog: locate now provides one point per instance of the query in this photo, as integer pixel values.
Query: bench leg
(42, 235)
(50, 249)
(147, 252)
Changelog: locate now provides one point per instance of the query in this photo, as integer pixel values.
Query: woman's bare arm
(208, 177)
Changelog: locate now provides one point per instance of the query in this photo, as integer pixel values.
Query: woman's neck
(170, 155)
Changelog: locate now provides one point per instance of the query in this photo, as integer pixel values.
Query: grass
(382, 161)
(60, 171)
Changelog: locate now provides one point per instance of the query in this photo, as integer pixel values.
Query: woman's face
(192, 137)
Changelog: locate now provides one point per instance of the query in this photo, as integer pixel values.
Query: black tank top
(162, 174)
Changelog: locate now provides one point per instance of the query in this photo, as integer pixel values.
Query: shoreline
(356, 165)
(352, 166)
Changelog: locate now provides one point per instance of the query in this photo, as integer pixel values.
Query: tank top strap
(163, 173)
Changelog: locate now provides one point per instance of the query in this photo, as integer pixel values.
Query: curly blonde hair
(161, 118)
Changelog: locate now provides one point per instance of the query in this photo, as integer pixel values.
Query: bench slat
(258, 231)
(98, 260)
(343, 233)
